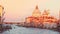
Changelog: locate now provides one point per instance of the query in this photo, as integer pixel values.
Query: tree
(1, 18)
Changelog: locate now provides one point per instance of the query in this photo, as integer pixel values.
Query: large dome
(36, 12)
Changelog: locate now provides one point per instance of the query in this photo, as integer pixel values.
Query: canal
(23, 30)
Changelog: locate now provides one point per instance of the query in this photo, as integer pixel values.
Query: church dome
(36, 12)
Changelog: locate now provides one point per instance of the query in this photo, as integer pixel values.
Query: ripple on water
(23, 30)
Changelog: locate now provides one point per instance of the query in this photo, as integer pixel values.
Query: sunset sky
(18, 10)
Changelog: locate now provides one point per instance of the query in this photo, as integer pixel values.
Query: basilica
(41, 18)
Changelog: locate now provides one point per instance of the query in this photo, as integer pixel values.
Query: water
(22, 30)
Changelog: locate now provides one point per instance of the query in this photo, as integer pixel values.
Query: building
(41, 18)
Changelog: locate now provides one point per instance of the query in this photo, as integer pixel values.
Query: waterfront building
(41, 18)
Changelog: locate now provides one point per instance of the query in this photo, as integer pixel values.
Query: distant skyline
(18, 10)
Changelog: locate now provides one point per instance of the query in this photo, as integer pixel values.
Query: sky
(18, 10)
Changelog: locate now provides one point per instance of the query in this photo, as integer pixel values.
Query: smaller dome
(46, 12)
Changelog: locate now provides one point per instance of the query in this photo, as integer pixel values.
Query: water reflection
(22, 30)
